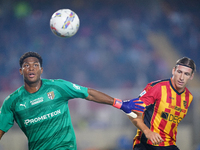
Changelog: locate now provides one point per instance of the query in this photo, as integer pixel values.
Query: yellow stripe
(164, 92)
(173, 103)
(161, 109)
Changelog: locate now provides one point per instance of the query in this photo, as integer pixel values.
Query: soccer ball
(64, 23)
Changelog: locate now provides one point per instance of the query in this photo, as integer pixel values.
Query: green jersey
(44, 115)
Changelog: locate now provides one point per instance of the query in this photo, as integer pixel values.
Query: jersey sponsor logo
(36, 101)
(170, 117)
(41, 118)
(51, 95)
(24, 105)
(143, 92)
(179, 109)
(76, 87)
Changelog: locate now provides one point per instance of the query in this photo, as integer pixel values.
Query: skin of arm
(129, 107)
(154, 137)
(99, 97)
(1, 133)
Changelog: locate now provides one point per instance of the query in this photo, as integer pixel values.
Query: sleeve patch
(143, 92)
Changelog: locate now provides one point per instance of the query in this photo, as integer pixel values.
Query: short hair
(30, 54)
(185, 61)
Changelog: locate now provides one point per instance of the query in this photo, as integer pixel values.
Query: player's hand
(154, 137)
(132, 105)
(129, 106)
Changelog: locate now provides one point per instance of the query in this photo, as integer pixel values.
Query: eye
(187, 74)
(26, 65)
(179, 71)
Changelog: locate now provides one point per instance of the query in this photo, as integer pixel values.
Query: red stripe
(187, 98)
(178, 100)
(167, 110)
(171, 142)
(171, 131)
(177, 113)
(175, 134)
(162, 126)
(169, 95)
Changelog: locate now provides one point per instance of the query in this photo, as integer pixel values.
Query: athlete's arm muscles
(154, 137)
(126, 106)
(99, 97)
(1, 133)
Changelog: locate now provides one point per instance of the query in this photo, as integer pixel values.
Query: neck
(178, 89)
(32, 87)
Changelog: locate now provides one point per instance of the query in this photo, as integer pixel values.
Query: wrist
(146, 131)
(117, 103)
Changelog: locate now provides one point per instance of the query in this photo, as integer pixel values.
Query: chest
(172, 106)
(43, 102)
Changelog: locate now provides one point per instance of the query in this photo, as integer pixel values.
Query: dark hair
(185, 61)
(30, 54)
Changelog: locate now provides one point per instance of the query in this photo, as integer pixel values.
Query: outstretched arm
(1, 133)
(154, 137)
(126, 106)
(99, 97)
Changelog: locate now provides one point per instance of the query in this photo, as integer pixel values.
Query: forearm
(127, 106)
(154, 137)
(139, 123)
(99, 97)
(1, 133)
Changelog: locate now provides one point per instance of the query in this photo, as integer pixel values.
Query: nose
(181, 76)
(31, 67)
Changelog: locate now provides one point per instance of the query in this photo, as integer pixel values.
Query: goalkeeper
(40, 107)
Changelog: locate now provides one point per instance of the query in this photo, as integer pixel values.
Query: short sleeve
(6, 116)
(74, 90)
(150, 94)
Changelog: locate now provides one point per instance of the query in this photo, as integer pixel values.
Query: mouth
(180, 83)
(31, 75)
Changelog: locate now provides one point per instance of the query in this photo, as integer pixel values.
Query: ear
(41, 70)
(192, 76)
(20, 71)
(173, 71)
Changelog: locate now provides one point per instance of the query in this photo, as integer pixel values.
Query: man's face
(31, 70)
(181, 75)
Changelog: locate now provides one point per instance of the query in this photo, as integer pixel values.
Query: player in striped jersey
(40, 107)
(167, 103)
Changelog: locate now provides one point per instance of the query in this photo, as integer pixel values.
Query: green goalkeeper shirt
(44, 115)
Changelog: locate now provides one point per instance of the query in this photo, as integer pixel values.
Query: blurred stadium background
(119, 48)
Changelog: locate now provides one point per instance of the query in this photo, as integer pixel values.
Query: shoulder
(153, 87)
(159, 82)
(13, 96)
(54, 81)
(187, 91)
(57, 83)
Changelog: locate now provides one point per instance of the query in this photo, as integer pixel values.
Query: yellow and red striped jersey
(165, 108)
